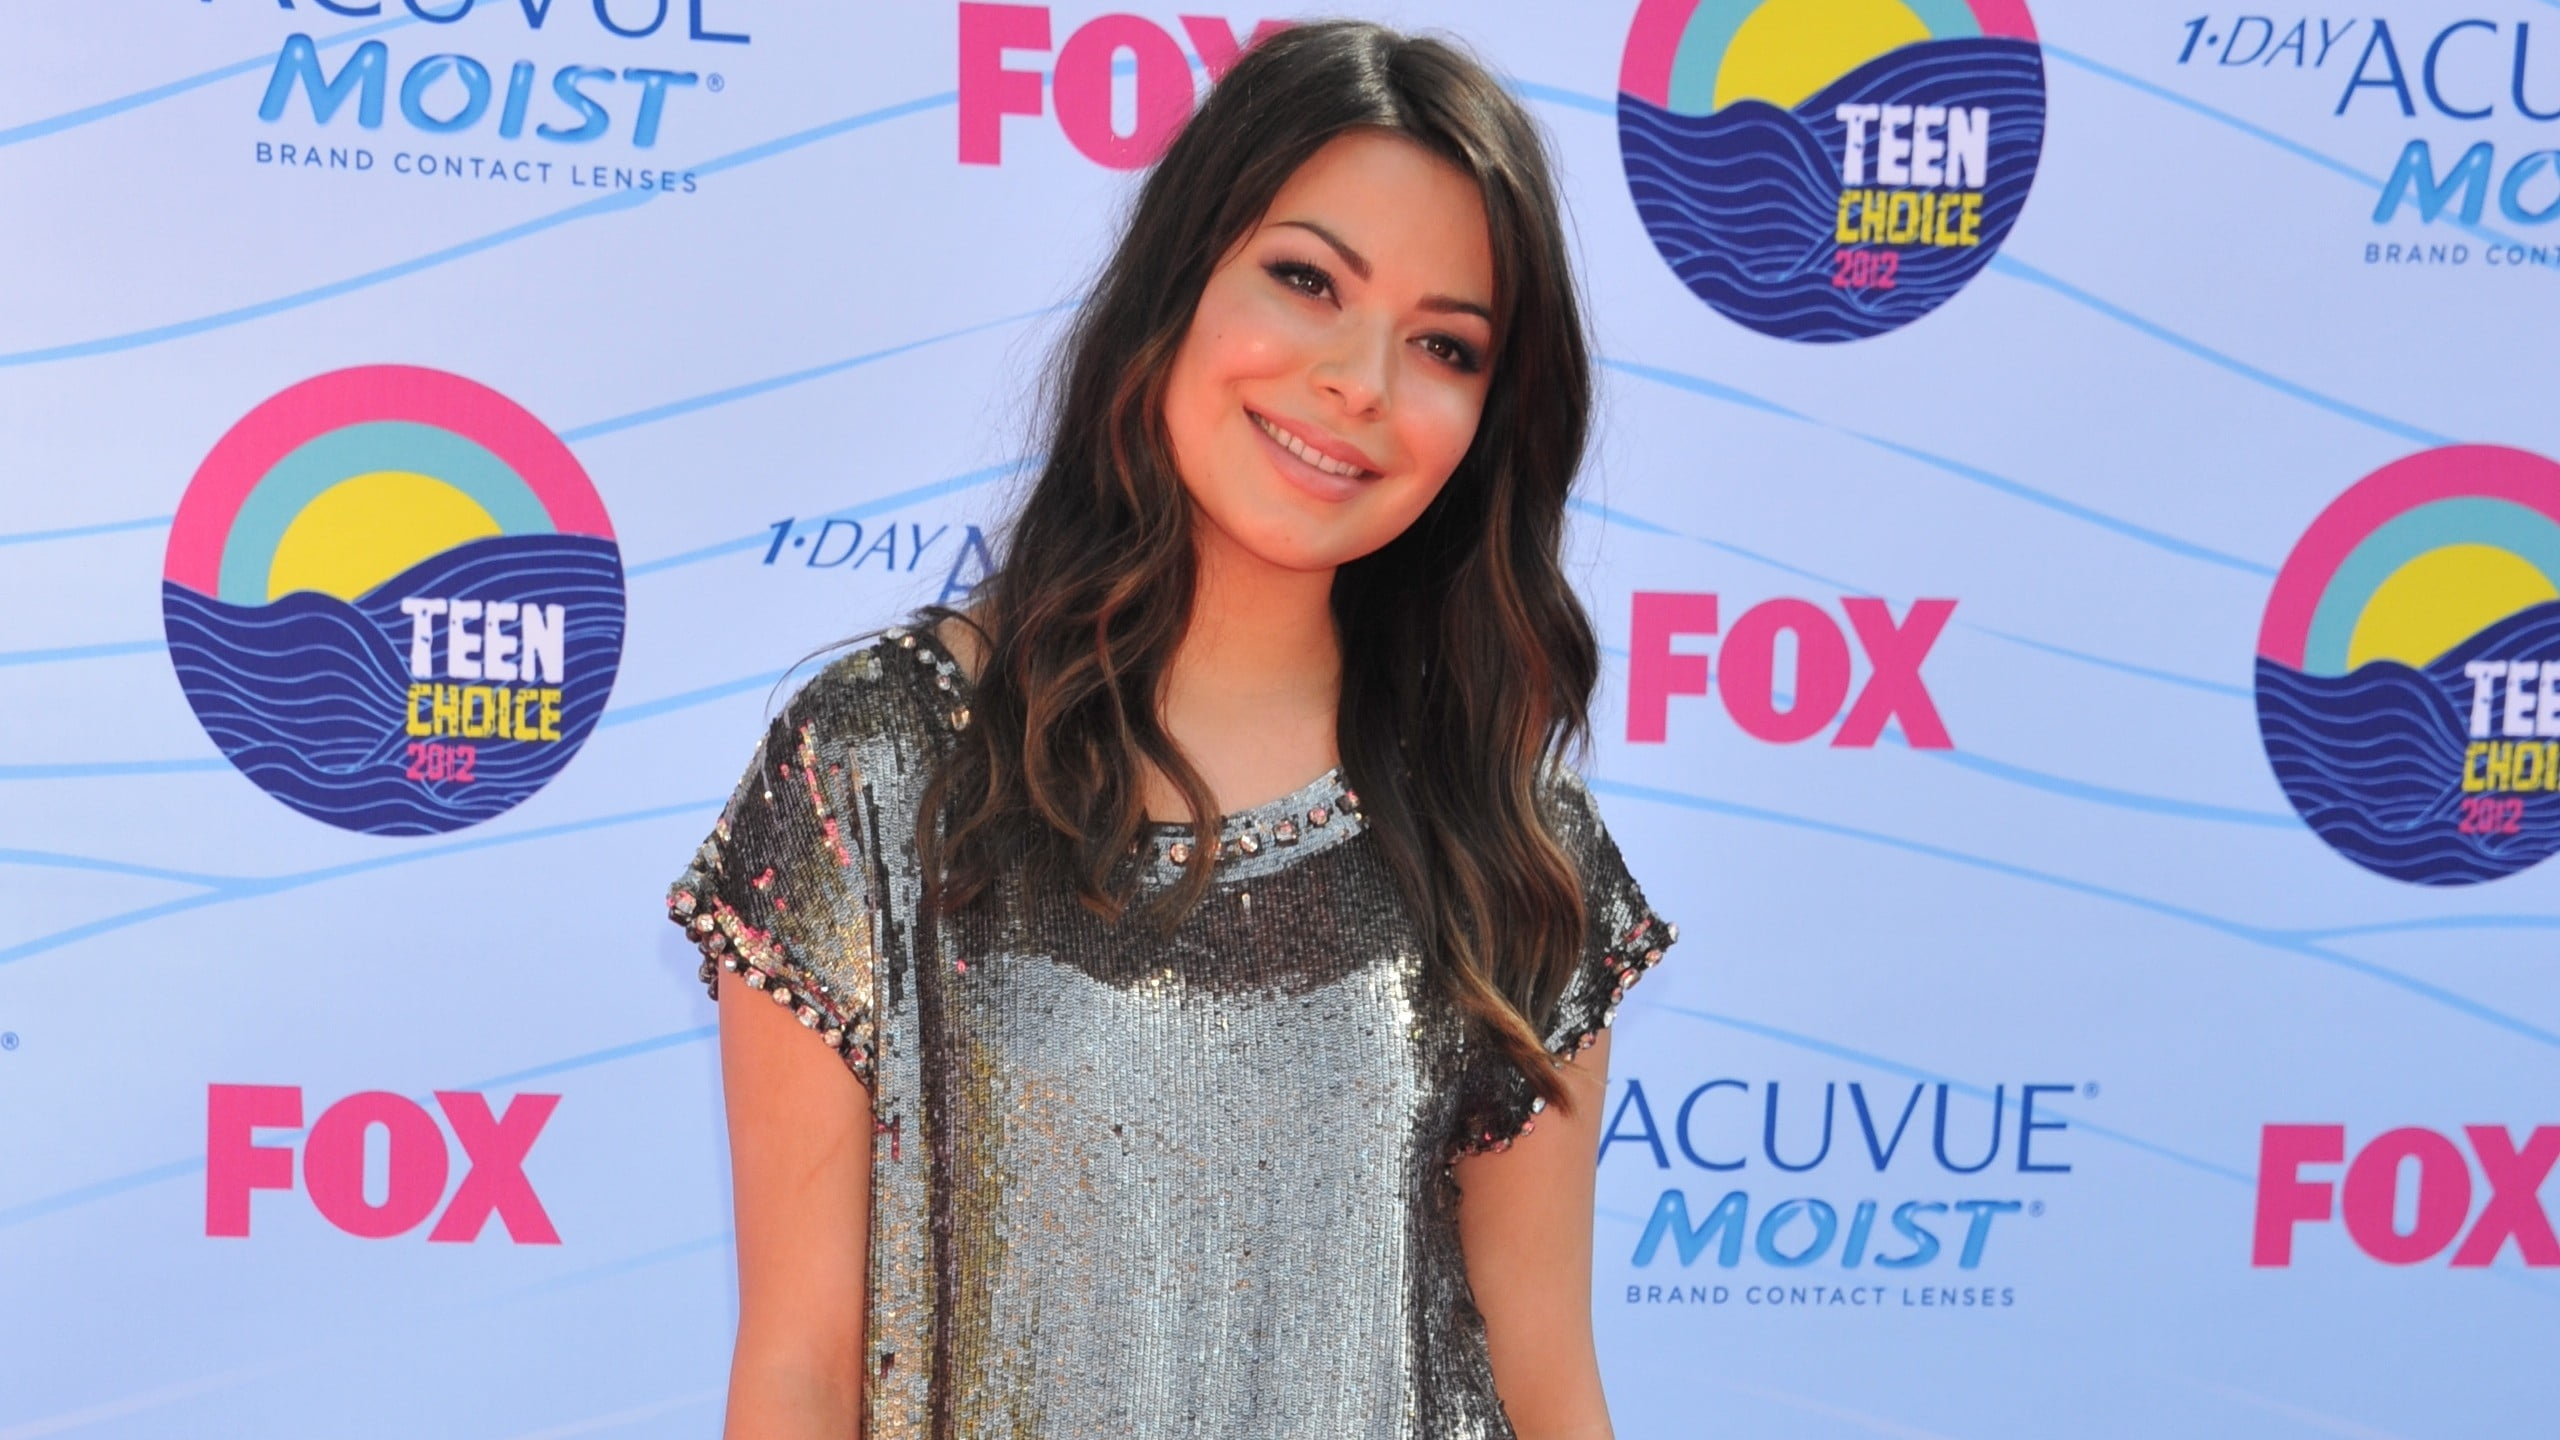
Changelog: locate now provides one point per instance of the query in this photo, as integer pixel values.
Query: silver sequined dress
(1124, 1184)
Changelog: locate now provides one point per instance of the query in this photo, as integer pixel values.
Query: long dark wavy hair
(1468, 663)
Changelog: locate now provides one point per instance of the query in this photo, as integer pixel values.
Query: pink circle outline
(1653, 44)
(1653, 40)
(2004, 19)
(294, 415)
(2493, 472)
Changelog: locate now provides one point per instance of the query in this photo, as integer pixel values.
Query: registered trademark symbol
(2090, 1090)
(714, 83)
(2035, 1207)
(8, 1039)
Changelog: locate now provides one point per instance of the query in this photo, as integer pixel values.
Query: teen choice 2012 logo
(2409, 667)
(394, 600)
(1828, 170)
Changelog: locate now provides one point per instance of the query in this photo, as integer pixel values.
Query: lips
(1332, 458)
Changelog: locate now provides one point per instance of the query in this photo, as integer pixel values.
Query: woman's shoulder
(1565, 802)
(1572, 815)
(893, 699)
(850, 751)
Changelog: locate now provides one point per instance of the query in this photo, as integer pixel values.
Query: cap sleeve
(777, 894)
(1622, 935)
(1623, 939)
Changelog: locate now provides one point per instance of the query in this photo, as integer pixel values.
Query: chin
(1280, 534)
(1305, 553)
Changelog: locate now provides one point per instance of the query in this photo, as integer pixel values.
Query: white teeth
(1300, 448)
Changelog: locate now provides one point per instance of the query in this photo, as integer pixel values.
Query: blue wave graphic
(611, 203)
(1743, 203)
(2374, 759)
(308, 695)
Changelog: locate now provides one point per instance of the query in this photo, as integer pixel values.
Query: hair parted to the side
(1468, 664)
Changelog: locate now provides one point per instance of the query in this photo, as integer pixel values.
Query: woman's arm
(1524, 1221)
(800, 1161)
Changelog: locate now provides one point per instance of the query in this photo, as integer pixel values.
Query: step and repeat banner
(2075, 525)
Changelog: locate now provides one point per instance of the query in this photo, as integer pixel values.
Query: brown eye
(1453, 353)
(1299, 276)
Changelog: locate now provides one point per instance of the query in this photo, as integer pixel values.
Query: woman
(1279, 1124)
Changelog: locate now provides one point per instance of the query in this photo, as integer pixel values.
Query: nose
(1357, 370)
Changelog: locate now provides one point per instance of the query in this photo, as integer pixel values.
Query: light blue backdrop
(2102, 450)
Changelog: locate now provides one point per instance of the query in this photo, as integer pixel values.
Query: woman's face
(1337, 364)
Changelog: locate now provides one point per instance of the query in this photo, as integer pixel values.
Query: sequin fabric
(1131, 1183)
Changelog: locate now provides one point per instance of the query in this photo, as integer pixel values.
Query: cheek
(1236, 335)
(1194, 396)
(1438, 425)
(1224, 347)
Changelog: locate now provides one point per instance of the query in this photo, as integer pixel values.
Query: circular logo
(1827, 170)
(394, 600)
(2409, 667)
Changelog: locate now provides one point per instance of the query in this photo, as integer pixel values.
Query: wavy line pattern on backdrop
(93, 1191)
(1696, 384)
(641, 710)
(1547, 93)
(732, 687)
(612, 204)
(1693, 384)
(244, 888)
(2033, 277)
(1590, 104)
(2071, 509)
(106, 109)
(720, 690)
(706, 1243)
(2036, 277)
(251, 888)
(75, 532)
(1596, 105)
(955, 484)
(2280, 940)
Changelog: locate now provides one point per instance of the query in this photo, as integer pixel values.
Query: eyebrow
(1359, 265)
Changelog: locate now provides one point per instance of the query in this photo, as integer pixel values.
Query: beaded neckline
(1316, 816)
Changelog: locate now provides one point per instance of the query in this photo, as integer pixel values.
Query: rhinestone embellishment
(1257, 836)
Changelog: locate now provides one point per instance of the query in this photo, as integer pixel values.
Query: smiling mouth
(1309, 453)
